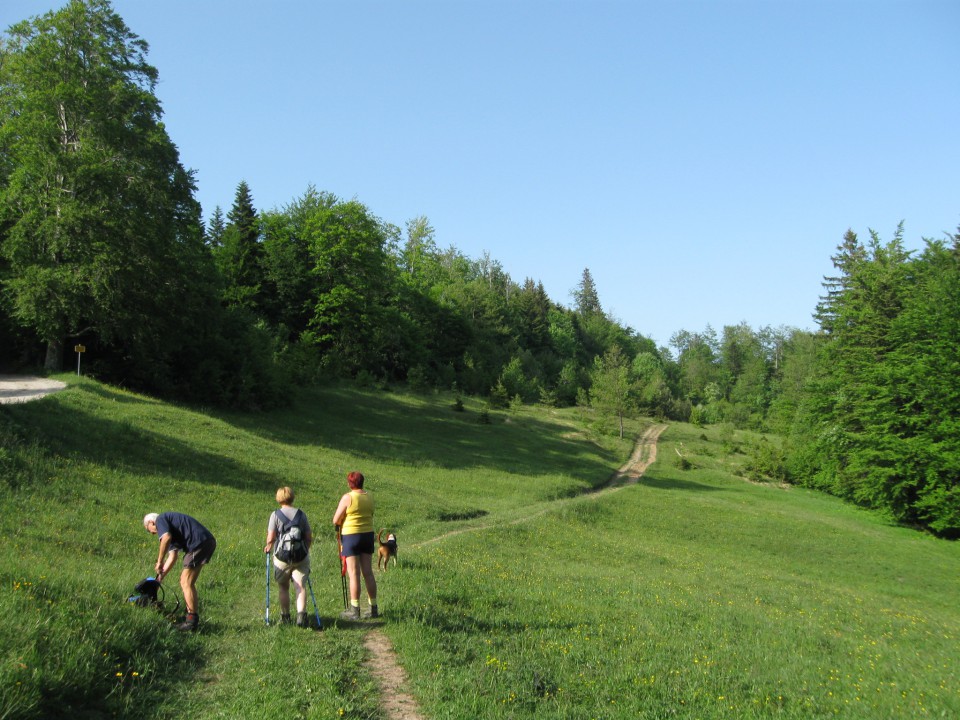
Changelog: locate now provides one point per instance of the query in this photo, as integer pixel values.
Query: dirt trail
(644, 454)
(390, 675)
(383, 663)
(23, 388)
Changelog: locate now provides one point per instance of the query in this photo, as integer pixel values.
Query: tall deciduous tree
(288, 263)
(697, 362)
(353, 284)
(97, 208)
(418, 257)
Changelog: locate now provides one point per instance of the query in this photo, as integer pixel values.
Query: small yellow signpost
(79, 349)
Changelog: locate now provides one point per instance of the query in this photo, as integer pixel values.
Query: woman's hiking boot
(302, 620)
(189, 623)
(352, 613)
(373, 613)
(284, 618)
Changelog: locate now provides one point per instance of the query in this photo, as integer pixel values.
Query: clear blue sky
(702, 159)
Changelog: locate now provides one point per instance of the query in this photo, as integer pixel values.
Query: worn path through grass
(383, 663)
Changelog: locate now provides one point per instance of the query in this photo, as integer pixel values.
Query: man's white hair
(150, 517)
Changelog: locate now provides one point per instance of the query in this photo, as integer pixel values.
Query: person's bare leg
(188, 584)
(353, 573)
(370, 581)
(284, 593)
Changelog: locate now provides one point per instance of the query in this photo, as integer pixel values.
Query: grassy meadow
(521, 593)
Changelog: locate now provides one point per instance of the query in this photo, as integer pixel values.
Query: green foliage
(239, 253)
(793, 374)
(89, 250)
(499, 398)
(697, 415)
(516, 382)
(102, 238)
(611, 387)
(568, 384)
(548, 398)
(766, 462)
(878, 425)
(336, 292)
(586, 298)
(696, 360)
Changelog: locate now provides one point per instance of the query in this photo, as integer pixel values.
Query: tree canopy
(96, 208)
(101, 242)
(879, 422)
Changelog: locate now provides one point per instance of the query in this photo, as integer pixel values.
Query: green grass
(521, 594)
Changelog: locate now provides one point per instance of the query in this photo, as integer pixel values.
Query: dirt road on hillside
(644, 455)
(23, 388)
(383, 664)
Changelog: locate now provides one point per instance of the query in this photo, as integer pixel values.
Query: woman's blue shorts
(357, 544)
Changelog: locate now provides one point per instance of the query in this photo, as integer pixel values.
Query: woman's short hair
(150, 517)
(355, 480)
(284, 496)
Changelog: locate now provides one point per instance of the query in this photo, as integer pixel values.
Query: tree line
(102, 244)
(879, 421)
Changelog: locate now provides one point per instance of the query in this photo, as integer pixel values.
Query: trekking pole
(343, 568)
(266, 618)
(315, 610)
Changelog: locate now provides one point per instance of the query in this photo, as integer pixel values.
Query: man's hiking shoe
(373, 613)
(302, 620)
(190, 623)
(284, 618)
(352, 613)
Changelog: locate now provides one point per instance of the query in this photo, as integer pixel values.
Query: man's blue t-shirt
(186, 534)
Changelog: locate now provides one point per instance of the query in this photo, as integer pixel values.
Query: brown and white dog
(387, 549)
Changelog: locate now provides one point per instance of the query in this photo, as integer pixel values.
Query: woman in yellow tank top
(354, 521)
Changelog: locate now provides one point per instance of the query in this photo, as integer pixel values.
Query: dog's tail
(380, 535)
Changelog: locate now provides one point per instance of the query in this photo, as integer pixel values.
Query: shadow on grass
(663, 483)
(450, 621)
(70, 431)
(379, 426)
(405, 429)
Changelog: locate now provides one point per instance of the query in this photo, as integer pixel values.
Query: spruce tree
(240, 258)
(216, 229)
(586, 299)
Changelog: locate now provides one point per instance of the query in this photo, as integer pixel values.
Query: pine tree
(586, 299)
(611, 388)
(216, 229)
(240, 258)
(923, 416)
(879, 424)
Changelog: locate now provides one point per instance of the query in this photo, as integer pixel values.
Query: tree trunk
(54, 361)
